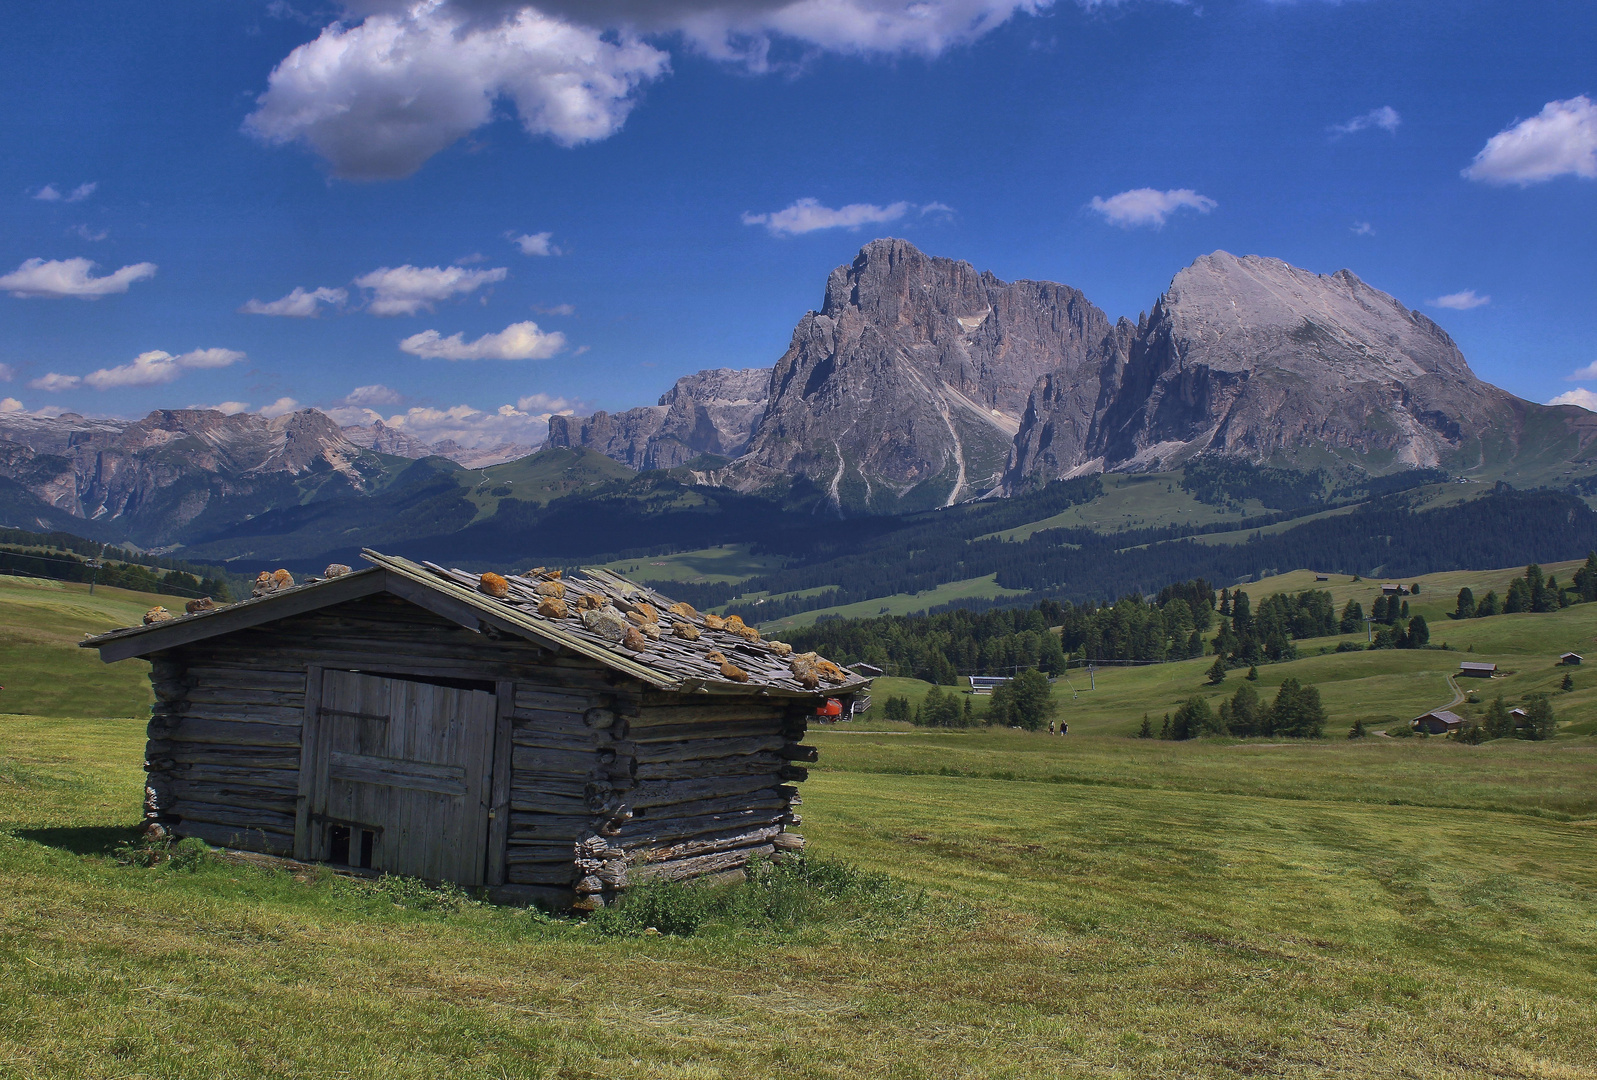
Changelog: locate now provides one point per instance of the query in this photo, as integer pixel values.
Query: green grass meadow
(1098, 906)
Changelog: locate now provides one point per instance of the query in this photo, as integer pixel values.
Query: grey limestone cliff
(709, 412)
(906, 389)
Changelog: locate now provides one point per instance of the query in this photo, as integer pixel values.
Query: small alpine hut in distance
(552, 739)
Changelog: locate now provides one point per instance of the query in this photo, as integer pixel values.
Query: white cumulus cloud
(298, 304)
(281, 407)
(60, 278)
(1560, 140)
(228, 407)
(11, 405)
(379, 98)
(50, 193)
(147, 369)
(1585, 374)
(1147, 206)
(535, 243)
(808, 215)
(1386, 118)
(406, 290)
(1461, 301)
(518, 341)
(1579, 396)
(526, 422)
(54, 382)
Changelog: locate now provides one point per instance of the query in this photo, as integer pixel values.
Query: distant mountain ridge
(922, 382)
(709, 412)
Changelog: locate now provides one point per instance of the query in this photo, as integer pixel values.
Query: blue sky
(491, 211)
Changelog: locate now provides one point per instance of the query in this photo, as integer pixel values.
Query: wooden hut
(1477, 669)
(1570, 659)
(1438, 722)
(553, 740)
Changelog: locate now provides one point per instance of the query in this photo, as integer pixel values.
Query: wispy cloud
(1386, 118)
(406, 290)
(230, 408)
(1363, 228)
(526, 422)
(1461, 301)
(808, 215)
(147, 369)
(298, 304)
(1148, 206)
(7, 373)
(1579, 396)
(50, 193)
(93, 236)
(281, 407)
(1561, 140)
(1585, 374)
(557, 309)
(518, 341)
(535, 243)
(375, 394)
(60, 278)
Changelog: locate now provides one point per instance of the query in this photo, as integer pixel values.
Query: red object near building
(832, 710)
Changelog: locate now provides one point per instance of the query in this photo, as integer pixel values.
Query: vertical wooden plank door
(402, 777)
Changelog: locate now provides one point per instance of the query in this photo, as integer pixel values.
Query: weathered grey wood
(788, 842)
(642, 833)
(282, 715)
(229, 733)
(310, 765)
(144, 640)
(537, 802)
(702, 845)
(397, 773)
(769, 764)
(763, 799)
(266, 779)
(532, 895)
(688, 749)
(701, 864)
(540, 874)
(553, 762)
(525, 826)
(797, 752)
(499, 810)
(244, 817)
(678, 715)
(538, 699)
(243, 796)
(664, 793)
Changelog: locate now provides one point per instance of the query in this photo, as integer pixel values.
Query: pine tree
(1419, 634)
(1146, 730)
(1466, 604)
(1357, 730)
(1539, 720)
(1243, 714)
(1568, 683)
(1217, 671)
(1497, 723)
(1489, 605)
(1164, 732)
(1253, 673)
(968, 716)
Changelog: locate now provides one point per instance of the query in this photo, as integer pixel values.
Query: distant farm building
(986, 684)
(551, 739)
(1438, 722)
(1477, 670)
(1394, 590)
(1322, 577)
(1572, 659)
(1520, 717)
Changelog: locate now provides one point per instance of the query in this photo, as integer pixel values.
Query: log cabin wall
(599, 781)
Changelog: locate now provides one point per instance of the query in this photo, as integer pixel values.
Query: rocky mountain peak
(708, 412)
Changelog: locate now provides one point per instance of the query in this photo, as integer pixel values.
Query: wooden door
(397, 777)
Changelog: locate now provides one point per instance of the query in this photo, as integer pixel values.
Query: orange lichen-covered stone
(747, 633)
(715, 622)
(494, 585)
(686, 631)
(644, 613)
(731, 671)
(830, 671)
(780, 648)
(282, 579)
(204, 603)
(551, 588)
(552, 607)
(336, 569)
(734, 622)
(805, 673)
(554, 575)
(635, 640)
(589, 602)
(685, 610)
(651, 630)
(607, 623)
(156, 614)
(715, 656)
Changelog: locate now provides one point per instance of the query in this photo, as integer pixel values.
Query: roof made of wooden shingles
(670, 662)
